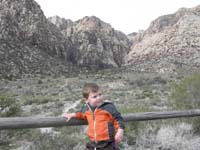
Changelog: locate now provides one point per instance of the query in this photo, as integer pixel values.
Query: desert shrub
(146, 93)
(132, 131)
(66, 138)
(133, 108)
(61, 138)
(29, 100)
(185, 94)
(5, 147)
(133, 128)
(9, 106)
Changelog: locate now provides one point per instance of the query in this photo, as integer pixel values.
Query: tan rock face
(29, 42)
(96, 43)
(171, 42)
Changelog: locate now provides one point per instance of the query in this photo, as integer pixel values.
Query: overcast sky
(124, 15)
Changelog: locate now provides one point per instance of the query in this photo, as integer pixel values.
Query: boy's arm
(118, 119)
(79, 114)
(69, 116)
(118, 124)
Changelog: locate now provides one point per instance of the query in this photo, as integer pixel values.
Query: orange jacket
(102, 121)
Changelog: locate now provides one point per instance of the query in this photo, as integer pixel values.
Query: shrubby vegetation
(63, 138)
(186, 93)
(131, 92)
(9, 106)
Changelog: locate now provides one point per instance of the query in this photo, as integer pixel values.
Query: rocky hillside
(95, 43)
(29, 42)
(170, 44)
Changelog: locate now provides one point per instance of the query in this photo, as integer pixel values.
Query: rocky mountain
(171, 43)
(95, 43)
(29, 42)
(61, 23)
(131, 37)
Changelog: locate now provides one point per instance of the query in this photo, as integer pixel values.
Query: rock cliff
(95, 43)
(171, 43)
(29, 42)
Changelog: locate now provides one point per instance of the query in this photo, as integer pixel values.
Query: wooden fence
(40, 122)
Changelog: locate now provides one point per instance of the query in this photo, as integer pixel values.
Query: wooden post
(40, 122)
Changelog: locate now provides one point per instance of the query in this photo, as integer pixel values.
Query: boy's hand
(69, 116)
(119, 135)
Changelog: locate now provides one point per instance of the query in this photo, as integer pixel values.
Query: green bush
(9, 106)
(146, 93)
(186, 93)
(29, 100)
(132, 131)
(134, 108)
(65, 138)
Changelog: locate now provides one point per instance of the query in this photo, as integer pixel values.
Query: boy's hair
(89, 87)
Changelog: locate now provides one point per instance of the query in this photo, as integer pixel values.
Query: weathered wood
(37, 122)
(161, 115)
(40, 122)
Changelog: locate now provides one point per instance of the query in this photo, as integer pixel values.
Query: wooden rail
(40, 122)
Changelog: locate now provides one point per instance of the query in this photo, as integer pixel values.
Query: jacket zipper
(94, 119)
(94, 124)
(95, 133)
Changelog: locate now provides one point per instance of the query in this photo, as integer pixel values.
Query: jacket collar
(93, 108)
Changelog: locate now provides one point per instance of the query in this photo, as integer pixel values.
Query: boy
(105, 124)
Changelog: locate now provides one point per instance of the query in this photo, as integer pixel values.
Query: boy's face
(95, 98)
